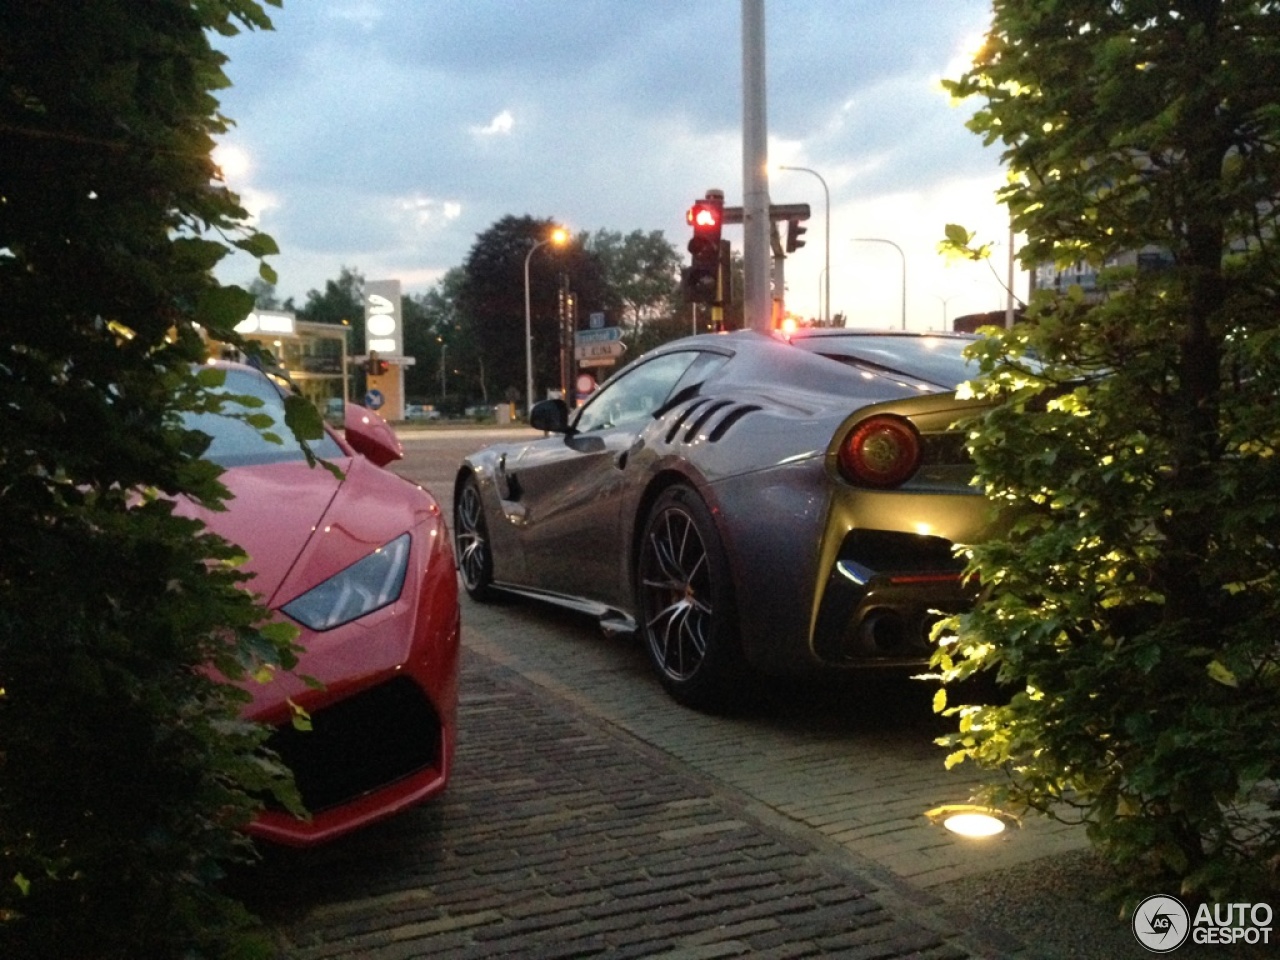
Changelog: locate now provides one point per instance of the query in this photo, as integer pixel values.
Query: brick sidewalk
(562, 837)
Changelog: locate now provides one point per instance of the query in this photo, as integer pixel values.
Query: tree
(491, 300)
(264, 294)
(342, 302)
(641, 271)
(1131, 606)
(125, 773)
(435, 335)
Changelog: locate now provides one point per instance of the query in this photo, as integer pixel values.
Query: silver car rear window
(936, 360)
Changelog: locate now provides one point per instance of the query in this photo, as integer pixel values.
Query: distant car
(362, 566)
(418, 411)
(748, 504)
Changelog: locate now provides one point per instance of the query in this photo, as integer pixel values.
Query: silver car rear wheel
(687, 614)
(471, 541)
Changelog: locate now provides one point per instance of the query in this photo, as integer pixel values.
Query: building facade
(316, 355)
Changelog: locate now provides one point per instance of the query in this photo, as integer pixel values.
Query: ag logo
(1161, 923)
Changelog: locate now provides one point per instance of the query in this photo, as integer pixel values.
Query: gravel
(1055, 907)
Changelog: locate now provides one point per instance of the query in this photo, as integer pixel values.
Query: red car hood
(301, 525)
(275, 509)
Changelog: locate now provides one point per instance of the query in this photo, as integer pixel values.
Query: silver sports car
(750, 504)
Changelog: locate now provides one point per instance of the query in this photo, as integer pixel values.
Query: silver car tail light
(881, 451)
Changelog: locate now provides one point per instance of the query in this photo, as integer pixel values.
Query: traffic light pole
(755, 171)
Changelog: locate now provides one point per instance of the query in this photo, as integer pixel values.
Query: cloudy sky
(385, 135)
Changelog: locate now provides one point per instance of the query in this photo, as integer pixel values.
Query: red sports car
(364, 567)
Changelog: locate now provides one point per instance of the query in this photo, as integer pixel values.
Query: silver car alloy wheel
(675, 577)
(471, 539)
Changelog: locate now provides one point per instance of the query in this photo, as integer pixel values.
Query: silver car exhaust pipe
(884, 632)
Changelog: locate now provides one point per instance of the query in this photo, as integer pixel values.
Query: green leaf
(258, 245)
(210, 378)
(220, 308)
(299, 717)
(280, 632)
(302, 417)
(1219, 673)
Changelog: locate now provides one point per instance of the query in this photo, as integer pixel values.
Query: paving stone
(562, 838)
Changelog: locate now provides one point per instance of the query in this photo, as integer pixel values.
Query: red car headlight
(881, 451)
(365, 586)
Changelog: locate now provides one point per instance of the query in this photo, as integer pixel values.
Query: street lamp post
(904, 269)
(824, 282)
(826, 296)
(557, 237)
(444, 349)
(945, 301)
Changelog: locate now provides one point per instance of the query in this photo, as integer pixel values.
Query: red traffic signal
(705, 215)
(701, 280)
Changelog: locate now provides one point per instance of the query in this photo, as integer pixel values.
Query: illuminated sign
(267, 321)
(382, 326)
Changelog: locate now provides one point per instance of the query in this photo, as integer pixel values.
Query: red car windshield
(235, 443)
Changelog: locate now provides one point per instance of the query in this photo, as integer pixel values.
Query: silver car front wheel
(471, 541)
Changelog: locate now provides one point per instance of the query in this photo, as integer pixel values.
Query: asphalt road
(591, 816)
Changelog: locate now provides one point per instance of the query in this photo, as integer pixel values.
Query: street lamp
(904, 269)
(557, 237)
(826, 314)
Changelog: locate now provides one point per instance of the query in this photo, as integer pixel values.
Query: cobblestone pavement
(853, 760)
(563, 837)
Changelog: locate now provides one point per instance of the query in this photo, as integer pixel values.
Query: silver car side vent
(734, 415)
(736, 411)
(683, 417)
(703, 416)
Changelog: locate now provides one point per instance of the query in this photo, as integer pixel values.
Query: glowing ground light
(967, 820)
(974, 825)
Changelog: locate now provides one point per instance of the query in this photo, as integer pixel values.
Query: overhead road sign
(609, 350)
(598, 335)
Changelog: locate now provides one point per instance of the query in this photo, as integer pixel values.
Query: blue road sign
(599, 335)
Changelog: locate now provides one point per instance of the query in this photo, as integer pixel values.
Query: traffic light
(705, 216)
(794, 232)
(698, 285)
(701, 278)
(374, 366)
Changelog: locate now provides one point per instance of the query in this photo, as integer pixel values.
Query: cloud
(500, 125)
(361, 119)
(424, 210)
(258, 202)
(365, 15)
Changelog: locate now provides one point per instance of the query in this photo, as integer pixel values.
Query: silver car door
(572, 490)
